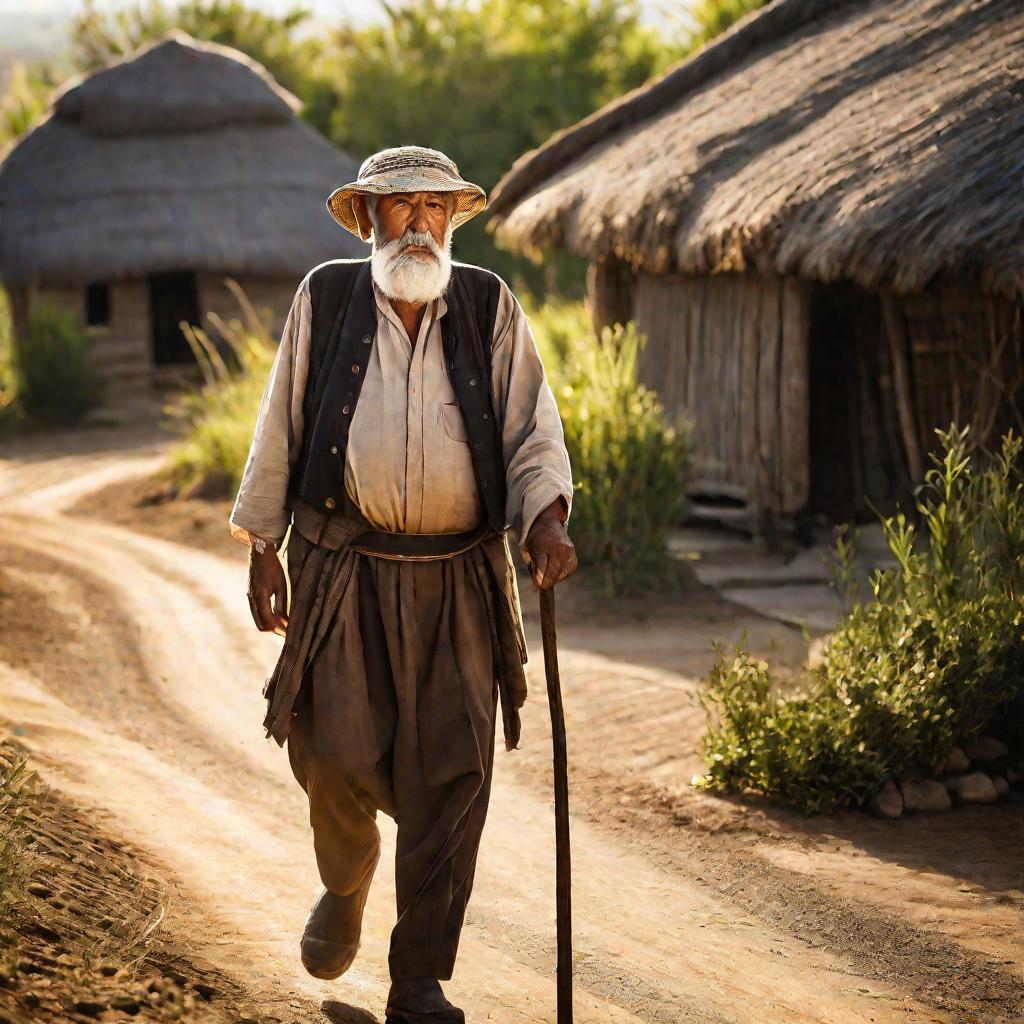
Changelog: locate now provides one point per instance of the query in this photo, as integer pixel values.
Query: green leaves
(629, 464)
(937, 657)
(56, 379)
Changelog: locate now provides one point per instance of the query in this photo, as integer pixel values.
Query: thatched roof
(186, 155)
(876, 140)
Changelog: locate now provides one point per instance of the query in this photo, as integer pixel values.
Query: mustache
(397, 246)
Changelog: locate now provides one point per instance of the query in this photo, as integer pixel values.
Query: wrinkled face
(411, 258)
(415, 212)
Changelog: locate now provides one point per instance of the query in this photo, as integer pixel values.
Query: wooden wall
(730, 352)
(962, 356)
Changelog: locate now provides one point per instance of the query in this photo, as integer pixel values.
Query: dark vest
(342, 334)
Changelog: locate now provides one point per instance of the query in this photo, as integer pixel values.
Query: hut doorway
(173, 297)
(852, 418)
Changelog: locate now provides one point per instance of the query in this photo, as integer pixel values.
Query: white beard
(413, 277)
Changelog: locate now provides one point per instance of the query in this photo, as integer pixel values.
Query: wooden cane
(563, 886)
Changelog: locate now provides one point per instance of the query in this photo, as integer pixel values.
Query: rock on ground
(976, 788)
(929, 795)
(955, 762)
(985, 748)
(888, 801)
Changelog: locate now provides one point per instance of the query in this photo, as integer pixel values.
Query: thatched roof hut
(184, 158)
(873, 145)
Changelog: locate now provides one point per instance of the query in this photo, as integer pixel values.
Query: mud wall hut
(818, 221)
(147, 185)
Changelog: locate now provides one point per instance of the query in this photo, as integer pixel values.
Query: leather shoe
(330, 939)
(420, 1001)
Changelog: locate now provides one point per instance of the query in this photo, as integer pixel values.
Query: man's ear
(362, 216)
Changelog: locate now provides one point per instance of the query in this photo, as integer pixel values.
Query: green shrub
(628, 463)
(936, 657)
(56, 379)
(219, 418)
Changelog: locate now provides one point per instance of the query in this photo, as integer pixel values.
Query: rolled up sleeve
(537, 470)
(261, 503)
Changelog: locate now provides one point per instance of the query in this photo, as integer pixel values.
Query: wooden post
(899, 349)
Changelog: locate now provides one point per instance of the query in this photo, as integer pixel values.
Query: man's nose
(420, 220)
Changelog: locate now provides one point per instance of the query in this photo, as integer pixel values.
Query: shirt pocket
(452, 422)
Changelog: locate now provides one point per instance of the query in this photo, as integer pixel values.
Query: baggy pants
(397, 713)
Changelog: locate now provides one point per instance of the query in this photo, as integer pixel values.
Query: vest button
(451, 366)
(344, 410)
(484, 484)
(472, 381)
(486, 416)
(367, 340)
(330, 503)
(334, 449)
(355, 367)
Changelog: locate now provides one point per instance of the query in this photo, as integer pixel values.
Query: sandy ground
(130, 668)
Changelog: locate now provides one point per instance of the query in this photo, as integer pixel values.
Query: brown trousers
(397, 713)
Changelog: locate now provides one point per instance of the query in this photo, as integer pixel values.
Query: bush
(55, 378)
(628, 463)
(220, 418)
(935, 658)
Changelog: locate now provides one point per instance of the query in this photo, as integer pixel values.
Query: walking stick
(562, 867)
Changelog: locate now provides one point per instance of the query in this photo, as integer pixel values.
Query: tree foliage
(713, 17)
(486, 81)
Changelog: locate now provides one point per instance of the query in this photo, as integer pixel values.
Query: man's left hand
(552, 553)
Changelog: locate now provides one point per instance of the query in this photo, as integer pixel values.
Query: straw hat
(407, 169)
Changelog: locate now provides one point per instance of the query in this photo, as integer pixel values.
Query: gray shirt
(407, 463)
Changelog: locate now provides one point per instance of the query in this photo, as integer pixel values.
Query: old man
(406, 425)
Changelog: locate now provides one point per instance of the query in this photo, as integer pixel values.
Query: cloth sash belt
(337, 530)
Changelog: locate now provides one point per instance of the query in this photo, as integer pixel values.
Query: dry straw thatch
(876, 140)
(184, 155)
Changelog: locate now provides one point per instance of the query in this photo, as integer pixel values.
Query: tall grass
(629, 463)
(15, 856)
(219, 419)
(934, 657)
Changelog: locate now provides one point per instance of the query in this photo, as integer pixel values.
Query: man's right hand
(266, 581)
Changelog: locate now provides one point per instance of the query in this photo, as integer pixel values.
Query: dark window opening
(173, 297)
(97, 304)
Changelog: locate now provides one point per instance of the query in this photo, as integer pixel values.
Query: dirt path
(129, 665)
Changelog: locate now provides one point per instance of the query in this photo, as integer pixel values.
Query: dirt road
(130, 667)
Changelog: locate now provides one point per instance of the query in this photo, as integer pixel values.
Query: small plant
(936, 657)
(629, 464)
(56, 379)
(15, 858)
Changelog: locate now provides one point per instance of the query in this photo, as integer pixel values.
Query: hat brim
(470, 199)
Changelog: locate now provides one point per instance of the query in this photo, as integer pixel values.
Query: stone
(1002, 786)
(928, 795)
(976, 788)
(985, 748)
(911, 793)
(888, 801)
(935, 796)
(956, 761)
(1012, 775)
